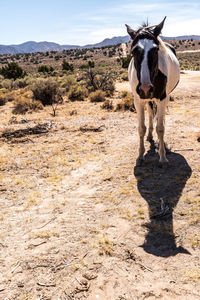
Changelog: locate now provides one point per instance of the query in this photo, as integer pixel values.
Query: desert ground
(79, 220)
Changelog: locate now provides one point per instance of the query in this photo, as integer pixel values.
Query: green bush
(108, 87)
(20, 83)
(45, 90)
(66, 66)
(97, 79)
(67, 81)
(44, 69)
(97, 96)
(77, 92)
(7, 84)
(125, 61)
(90, 64)
(12, 71)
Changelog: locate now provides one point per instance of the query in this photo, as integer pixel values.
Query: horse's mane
(148, 31)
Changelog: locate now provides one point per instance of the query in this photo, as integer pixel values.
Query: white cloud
(186, 27)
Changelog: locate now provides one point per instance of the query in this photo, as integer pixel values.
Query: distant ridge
(31, 46)
(109, 42)
(183, 37)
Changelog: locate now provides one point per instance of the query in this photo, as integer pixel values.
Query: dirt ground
(80, 221)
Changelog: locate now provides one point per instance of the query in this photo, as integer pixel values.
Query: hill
(31, 46)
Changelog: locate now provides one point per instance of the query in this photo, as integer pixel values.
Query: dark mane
(146, 29)
(145, 32)
(145, 24)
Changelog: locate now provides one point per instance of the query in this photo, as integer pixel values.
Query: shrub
(125, 61)
(124, 76)
(7, 84)
(100, 80)
(23, 104)
(91, 64)
(67, 82)
(3, 99)
(12, 71)
(77, 92)
(97, 96)
(107, 105)
(10, 96)
(29, 80)
(43, 69)
(3, 90)
(45, 91)
(20, 83)
(124, 94)
(108, 87)
(126, 104)
(66, 66)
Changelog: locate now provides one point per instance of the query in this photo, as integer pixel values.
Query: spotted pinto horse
(153, 74)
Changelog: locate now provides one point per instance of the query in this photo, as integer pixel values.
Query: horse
(153, 74)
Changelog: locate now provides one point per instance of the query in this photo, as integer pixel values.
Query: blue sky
(82, 22)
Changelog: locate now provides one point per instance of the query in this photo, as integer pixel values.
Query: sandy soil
(80, 221)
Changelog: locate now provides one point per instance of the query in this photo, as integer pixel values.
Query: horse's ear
(131, 32)
(158, 28)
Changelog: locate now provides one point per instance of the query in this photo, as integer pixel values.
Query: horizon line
(69, 44)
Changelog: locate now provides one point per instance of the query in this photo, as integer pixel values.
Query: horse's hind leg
(150, 130)
(160, 128)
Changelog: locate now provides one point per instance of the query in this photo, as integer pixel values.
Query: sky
(77, 22)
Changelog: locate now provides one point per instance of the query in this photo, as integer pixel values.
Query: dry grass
(71, 204)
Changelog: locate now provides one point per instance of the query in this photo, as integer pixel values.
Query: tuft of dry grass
(97, 96)
(23, 105)
(107, 105)
(105, 246)
(45, 234)
(127, 103)
(194, 241)
(192, 274)
(77, 93)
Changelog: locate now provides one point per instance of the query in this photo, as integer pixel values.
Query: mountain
(31, 46)
(108, 42)
(36, 47)
(182, 37)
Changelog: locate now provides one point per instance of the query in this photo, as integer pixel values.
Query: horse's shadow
(161, 188)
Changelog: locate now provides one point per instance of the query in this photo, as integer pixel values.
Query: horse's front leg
(160, 129)
(150, 131)
(141, 130)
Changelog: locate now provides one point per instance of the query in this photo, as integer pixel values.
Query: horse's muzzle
(145, 91)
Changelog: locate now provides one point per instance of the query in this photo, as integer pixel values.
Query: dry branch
(17, 265)
(91, 128)
(46, 284)
(38, 129)
(46, 223)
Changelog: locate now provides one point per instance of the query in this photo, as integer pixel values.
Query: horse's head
(144, 49)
